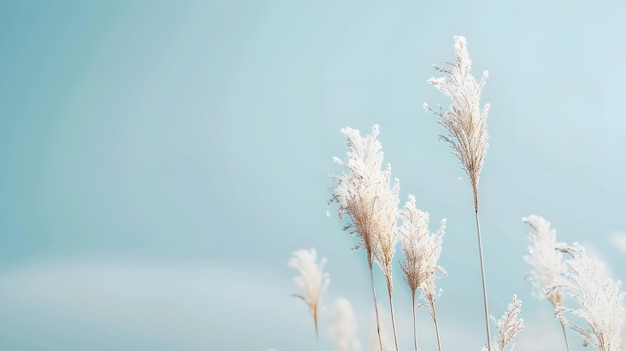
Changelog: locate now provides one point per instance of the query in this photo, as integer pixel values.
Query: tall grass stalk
(421, 251)
(366, 195)
(466, 124)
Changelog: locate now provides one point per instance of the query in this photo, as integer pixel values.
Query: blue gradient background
(161, 160)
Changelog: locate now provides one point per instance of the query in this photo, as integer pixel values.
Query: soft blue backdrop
(160, 161)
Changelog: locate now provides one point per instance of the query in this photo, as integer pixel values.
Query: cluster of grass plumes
(563, 271)
(367, 199)
(467, 135)
(366, 195)
(421, 251)
(599, 299)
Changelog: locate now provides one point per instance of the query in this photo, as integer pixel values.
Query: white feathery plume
(508, 325)
(547, 262)
(312, 281)
(343, 329)
(466, 124)
(366, 195)
(465, 121)
(545, 259)
(599, 297)
(421, 250)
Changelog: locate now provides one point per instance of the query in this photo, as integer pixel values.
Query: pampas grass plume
(466, 124)
(547, 263)
(508, 325)
(465, 121)
(599, 298)
(421, 251)
(366, 195)
(544, 258)
(312, 281)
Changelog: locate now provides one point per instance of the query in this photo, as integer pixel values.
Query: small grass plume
(366, 195)
(508, 325)
(467, 135)
(312, 281)
(465, 121)
(421, 250)
(546, 261)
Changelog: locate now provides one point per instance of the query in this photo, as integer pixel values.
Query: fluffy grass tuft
(508, 325)
(366, 195)
(421, 251)
(547, 263)
(599, 298)
(312, 281)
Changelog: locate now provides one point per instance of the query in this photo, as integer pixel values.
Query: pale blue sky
(162, 159)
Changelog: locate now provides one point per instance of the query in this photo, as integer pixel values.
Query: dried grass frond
(508, 325)
(599, 297)
(465, 121)
(466, 124)
(545, 259)
(421, 250)
(312, 281)
(366, 196)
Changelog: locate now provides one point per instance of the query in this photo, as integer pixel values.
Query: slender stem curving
(565, 336)
(482, 267)
(369, 264)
